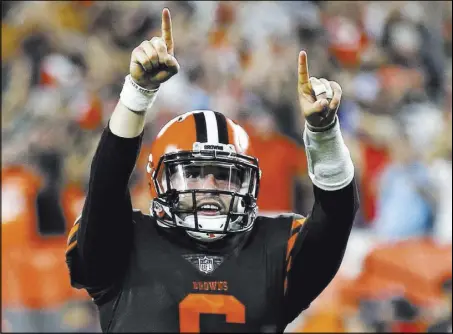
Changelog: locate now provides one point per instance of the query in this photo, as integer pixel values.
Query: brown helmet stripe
(222, 128)
(200, 127)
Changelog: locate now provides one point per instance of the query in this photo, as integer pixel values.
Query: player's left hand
(319, 98)
(153, 62)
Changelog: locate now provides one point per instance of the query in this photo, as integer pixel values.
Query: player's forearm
(106, 224)
(125, 123)
(330, 165)
(320, 246)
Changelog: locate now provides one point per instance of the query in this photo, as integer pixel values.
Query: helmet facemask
(209, 193)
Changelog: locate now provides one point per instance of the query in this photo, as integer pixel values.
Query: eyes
(221, 174)
(225, 173)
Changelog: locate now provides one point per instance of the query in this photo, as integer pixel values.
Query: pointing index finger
(304, 76)
(167, 31)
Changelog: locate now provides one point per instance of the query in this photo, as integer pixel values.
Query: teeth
(209, 207)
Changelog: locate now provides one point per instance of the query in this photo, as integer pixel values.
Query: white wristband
(330, 165)
(136, 98)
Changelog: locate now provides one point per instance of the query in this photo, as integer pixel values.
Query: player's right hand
(153, 61)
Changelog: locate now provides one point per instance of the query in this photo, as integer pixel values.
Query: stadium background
(63, 65)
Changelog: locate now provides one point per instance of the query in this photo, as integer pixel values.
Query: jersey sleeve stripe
(295, 229)
(290, 246)
(73, 231)
(73, 238)
(71, 246)
(288, 265)
(298, 223)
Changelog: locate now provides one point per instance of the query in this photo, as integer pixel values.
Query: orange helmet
(203, 176)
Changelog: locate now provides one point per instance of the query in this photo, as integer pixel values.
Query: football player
(204, 260)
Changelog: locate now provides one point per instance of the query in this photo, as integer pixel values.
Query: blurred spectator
(35, 288)
(375, 314)
(281, 169)
(440, 169)
(444, 325)
(408, 42)
(405, 316)
(404, 206)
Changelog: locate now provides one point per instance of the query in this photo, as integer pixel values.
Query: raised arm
(317, 244)
(100, 241)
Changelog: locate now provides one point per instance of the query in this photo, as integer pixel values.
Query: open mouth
(209, 209)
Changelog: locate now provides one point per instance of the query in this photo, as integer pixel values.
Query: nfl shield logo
(206, 265)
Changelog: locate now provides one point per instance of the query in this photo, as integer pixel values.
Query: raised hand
(319, 98)
(153, 62)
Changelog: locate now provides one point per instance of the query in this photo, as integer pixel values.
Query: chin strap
(206, 222)
(160, 210)
(205, 237)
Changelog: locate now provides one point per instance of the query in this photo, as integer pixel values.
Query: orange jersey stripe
(73, 231)
(297, 224)
(295, 228)
(71, 246)
(288, 264)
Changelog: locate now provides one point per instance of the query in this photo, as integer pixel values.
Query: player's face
(207, 177)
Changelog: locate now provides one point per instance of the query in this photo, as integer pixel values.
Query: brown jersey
(151, 279)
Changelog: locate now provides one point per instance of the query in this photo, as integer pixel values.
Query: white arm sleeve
(330, 165)
(128, 118)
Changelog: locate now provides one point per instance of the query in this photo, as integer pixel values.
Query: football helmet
(203, 176)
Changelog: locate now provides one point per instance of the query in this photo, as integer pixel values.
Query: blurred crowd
(63, 66)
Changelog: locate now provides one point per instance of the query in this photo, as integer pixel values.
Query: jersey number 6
(193, 305)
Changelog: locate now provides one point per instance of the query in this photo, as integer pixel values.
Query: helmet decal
(211, 127)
